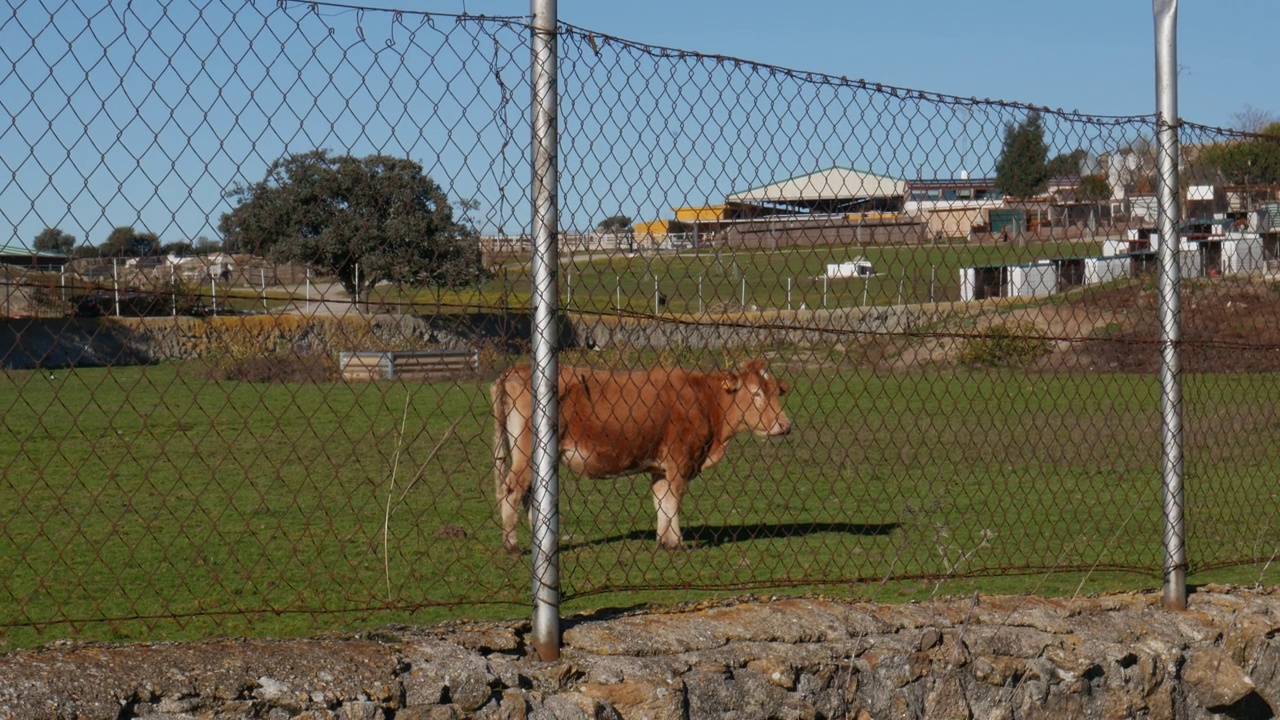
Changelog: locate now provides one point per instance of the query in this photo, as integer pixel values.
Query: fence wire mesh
(267, 261)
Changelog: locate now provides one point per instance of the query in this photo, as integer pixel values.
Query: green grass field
(707, 281)
(690, 282)
(152, 502)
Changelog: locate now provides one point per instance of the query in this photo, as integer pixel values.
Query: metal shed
(834, 190)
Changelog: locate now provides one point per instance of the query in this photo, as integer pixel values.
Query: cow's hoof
(681, 547)
(512, 550)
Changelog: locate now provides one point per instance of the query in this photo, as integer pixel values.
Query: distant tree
(180, 248)
(380, 214)
(615, 224)
(1093, 189)
(206, 246)
(1022, 171)
(1067, 164)
(85, 251)
(1252, 161)
(1252, 120)
(125, 241)
(54, 240)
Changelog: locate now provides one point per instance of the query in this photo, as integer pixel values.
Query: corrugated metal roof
(19, 251)
(931, 183)
(836, 183)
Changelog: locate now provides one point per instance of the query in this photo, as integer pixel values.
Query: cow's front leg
(667, 496)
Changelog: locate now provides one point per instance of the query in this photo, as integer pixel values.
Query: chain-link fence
(267, 261)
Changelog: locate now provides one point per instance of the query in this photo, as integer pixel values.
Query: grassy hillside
(710, 280)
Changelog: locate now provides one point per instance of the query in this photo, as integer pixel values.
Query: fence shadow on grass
(27, 344)
(709, 536)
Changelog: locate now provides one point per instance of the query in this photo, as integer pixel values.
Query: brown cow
(668, 422)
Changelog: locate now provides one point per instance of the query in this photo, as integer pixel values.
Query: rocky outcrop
(1117, 656)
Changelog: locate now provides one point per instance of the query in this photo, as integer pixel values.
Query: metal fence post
(1170, 311)
(546, 484)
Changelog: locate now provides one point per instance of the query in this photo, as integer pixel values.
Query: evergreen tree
(1022, 170)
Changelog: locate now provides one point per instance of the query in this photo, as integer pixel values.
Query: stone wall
(98, 342)
(1117, 656)
(753, 330)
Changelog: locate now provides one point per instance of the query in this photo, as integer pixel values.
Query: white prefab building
(1241, 252)
(1105, 269)
(1225, 252)
(1034, 280)
(857, 267)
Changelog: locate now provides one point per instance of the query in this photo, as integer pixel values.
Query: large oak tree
(54, 240)
(127, 241)
(379, 213)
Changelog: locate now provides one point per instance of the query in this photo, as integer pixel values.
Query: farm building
(857, 267)
(35, 259)
(1099, 270)
(1036, 279)
(834, 206)
(834, 191)
(651, 232)
(1206, 247)
(952, 207)
(707, 223)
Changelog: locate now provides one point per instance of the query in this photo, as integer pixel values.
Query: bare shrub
(1005, 345)
(281, 368)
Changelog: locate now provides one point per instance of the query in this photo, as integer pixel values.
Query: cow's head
(756, 397)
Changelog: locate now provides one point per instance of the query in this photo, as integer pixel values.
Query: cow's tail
(501, 441)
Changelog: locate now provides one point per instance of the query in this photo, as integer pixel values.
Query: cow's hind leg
(513, 488)
(510, 458)
(668, 493)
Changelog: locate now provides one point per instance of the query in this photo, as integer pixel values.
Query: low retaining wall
(982, 657)
(98, 342)
(753, 330)
(57, 343)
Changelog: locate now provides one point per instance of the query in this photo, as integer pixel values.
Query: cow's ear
(732, 381)
(783, 387)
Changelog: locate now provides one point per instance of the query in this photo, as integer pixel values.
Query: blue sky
(1095, 56)
(145, 114)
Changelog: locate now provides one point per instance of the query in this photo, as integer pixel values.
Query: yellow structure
(706, 222)
(703, 213)
(699, 224)
(652, 232)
